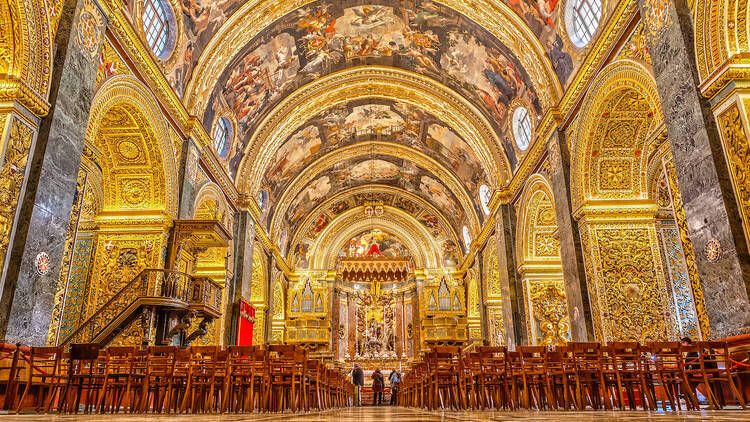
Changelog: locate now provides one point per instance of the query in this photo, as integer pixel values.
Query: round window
(522, 128)
(158, 24)
(222, 132)
(582, 20)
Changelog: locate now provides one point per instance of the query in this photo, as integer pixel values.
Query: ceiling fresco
(384, 120)
(322, 38)
(435, 224)
(374, 242)
(364, 170)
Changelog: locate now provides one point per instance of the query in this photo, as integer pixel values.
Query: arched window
(522, 128)
(484, 197)
(467, 238)
(155, 26)
(222, 130)
(584, 16)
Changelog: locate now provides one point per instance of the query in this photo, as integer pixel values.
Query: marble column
(47, 198)
(242, 272)
(702, 175)
(571, 254)
(513, 314)
(189, 162)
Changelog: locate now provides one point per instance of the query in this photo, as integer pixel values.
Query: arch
(371, 82)
(211, 204)
(415, 237)
(622, 109)
(365, 149)
(140, 151)
(26, 64)
(306, 226)
(537, 242)
(538, 257)
(254, 17)
(721, 33)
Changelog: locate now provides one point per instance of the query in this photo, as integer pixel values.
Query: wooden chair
(667, 362)
(118, 378)
(494, 380)
(10, 356)
(443, 368)
(627, 358)
(85, 378)
(42, 375)
(472, 381)
(588, 376)
(558, 372)
(536, 389)
(247, 378)
(201, 380)
(157, 383)
(285, 374)
(709, 363)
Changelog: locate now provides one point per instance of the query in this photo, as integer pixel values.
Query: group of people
(378, 385)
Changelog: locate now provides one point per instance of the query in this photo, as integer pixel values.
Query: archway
(613, 142)
(538, 258)
(121, 225)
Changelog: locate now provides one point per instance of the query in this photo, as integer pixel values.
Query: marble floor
(385, 413)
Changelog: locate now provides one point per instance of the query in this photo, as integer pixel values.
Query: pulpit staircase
(151, 289)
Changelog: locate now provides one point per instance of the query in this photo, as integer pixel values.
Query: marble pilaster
(239, 285)
(704, 182)
(189, 159)
(571, 254)
(47, 197)
(513, 310)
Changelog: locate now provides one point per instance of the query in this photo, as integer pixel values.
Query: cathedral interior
(372, 180)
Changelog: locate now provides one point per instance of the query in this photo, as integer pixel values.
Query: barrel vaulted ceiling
(326, 97)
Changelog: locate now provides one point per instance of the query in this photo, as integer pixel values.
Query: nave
(394, 413)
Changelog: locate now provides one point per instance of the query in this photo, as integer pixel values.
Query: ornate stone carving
(550, 310)
(737, 152)
(11, 177)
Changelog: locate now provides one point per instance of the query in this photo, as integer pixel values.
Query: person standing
(378, 385)
(395, 380)
(358, 379)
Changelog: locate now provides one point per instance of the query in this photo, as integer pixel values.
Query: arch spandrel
(125, 124)
(330, 173)
(621, 113)
(423, 248)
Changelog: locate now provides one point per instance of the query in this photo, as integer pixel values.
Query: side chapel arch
(611, 201)
(538, 255)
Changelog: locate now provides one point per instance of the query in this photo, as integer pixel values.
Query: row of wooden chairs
(200, 379)
(576, 376)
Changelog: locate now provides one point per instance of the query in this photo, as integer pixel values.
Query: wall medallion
(713, 250)
(41, 262)
(341, 331)
(89, 30)
(409, 331)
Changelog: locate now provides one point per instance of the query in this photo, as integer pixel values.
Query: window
(467, 238)
(522, 128)
(221, 136)
(484, 197)
(156, 26)
(584, 17)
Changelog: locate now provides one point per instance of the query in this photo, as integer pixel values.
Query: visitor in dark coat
(358, 379)
(378, 385)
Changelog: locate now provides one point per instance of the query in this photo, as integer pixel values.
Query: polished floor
(385, 413)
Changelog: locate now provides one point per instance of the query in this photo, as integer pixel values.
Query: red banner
(245, 322)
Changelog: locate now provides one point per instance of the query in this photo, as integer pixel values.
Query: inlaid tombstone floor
(387, 413)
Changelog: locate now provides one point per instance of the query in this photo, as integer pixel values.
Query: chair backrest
(626, 356)
(532, 358)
